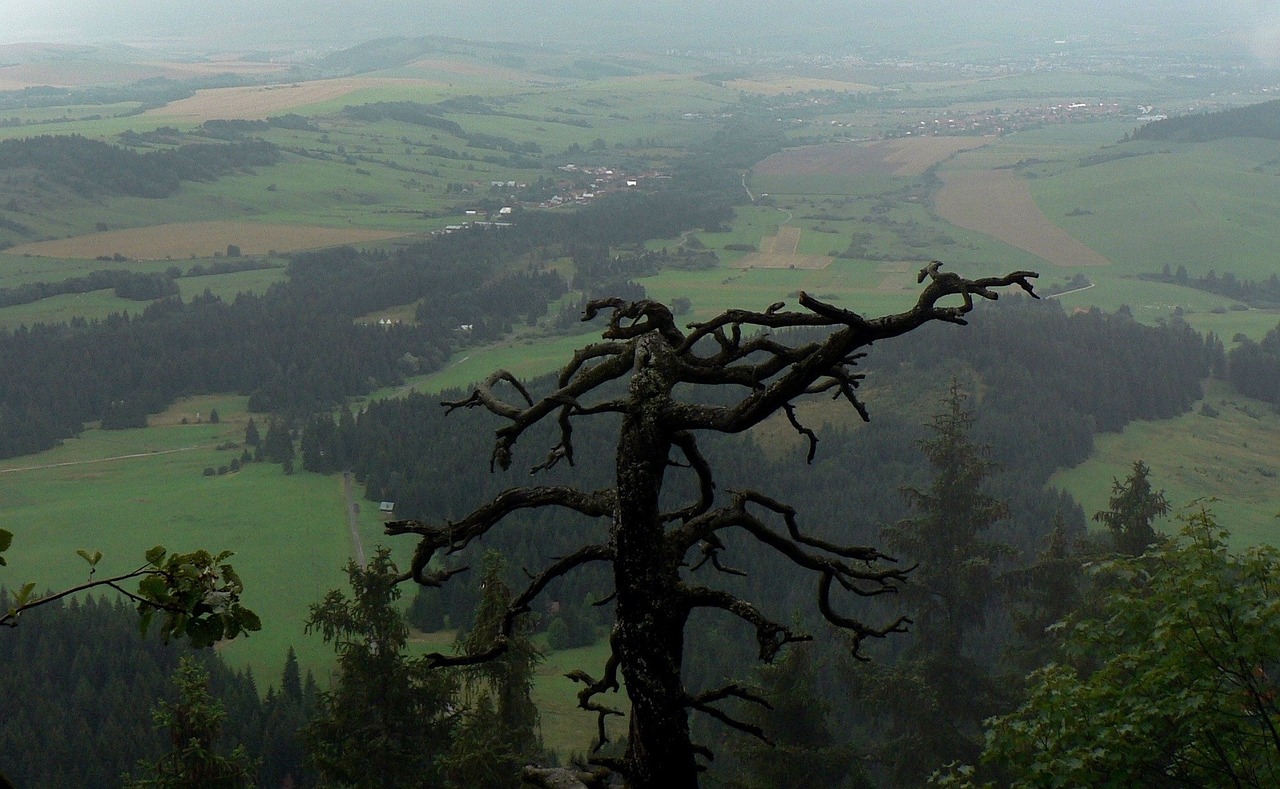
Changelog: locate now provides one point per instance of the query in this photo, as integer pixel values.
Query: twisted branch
(586, 697)
(521, 605)
(703, 701)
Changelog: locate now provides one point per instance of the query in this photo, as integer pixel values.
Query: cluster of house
(603, 180)
(998, 121)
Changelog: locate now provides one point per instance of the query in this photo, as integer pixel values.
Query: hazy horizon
(1243, 24)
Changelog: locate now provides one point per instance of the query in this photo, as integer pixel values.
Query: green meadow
(1227, 461)
(1205, 206)
(122, 492)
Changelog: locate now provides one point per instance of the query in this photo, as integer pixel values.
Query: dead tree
(653, 552)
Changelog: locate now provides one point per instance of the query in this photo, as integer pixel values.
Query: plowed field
(255, 102)
(998, 203)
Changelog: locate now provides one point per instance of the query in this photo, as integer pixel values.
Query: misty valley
(837, 398)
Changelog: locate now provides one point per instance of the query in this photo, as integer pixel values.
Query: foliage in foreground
(1171, 683)
(388, 719)
(194, 722)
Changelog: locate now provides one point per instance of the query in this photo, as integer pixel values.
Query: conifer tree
(389, 718)
(936, 696)
(194, 723)
(796, 746)
(499, 733)
(1133, 507)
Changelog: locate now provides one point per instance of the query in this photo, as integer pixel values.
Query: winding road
(353, 518)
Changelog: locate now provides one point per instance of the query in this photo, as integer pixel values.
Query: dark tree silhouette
(654, 552)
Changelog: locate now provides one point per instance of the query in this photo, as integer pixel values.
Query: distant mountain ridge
(601, 25)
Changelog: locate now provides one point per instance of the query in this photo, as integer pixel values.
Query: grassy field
(566, 728)
(94, 305)
(1204, 206)
(1230, 458)
(123, 491)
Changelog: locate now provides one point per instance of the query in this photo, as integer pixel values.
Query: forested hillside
(89, 168)
(93, 731)
(297, 348)
(1256, 120)
(1050, 381)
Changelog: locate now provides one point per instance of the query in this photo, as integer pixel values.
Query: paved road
(353, 518)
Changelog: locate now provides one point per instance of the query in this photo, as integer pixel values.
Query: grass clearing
(1231, 458)
(566, 728)
(94, 305)
(123, 491)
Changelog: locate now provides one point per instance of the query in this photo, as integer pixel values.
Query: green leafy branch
(197, 594)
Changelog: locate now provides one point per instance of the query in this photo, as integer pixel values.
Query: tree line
(90, 167)
(298, 347)
(1255, 120)
(1050, 382)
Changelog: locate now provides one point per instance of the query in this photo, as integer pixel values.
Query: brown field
(70, 66)
(911, 157)
(199, 239)
(780, 84)
(780, 252)
(897, 276)
(255, 102)
(786, 242)
(903, 157)
(998, 203)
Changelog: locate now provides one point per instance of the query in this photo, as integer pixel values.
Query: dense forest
(90, 167)
(1049, 383)
(95, 730)
(298, 347)
(1255, 120)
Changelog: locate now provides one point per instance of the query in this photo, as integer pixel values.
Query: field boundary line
(65, 463)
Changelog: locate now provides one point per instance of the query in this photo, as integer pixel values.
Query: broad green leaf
(6, 539)
(156, 554)
(24, 594)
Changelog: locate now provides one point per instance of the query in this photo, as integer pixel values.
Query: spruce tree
(390, 717)
(797, 746)
(499, 733)
(936, 696)
(194, 723)
(1133, 507)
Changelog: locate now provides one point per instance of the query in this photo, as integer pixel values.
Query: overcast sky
(613, 24)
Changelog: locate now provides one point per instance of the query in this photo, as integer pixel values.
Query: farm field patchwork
(999, 203)
(782, 251)
(256, 102)
(199, 239)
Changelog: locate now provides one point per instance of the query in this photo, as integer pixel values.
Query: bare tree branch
(521, 605)
(453, 536)
(703, 701)
(649, 547)
(592, 687)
